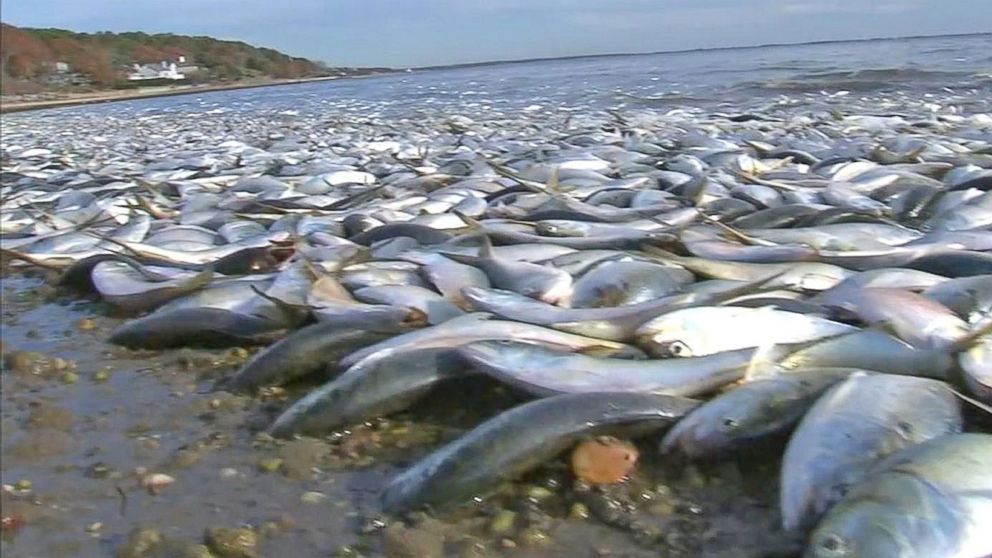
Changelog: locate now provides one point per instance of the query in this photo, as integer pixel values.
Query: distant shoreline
(111, 96)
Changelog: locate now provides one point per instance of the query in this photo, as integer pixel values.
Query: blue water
(915, 67)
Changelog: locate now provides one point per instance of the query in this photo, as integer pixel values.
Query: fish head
(666, 342)
(863, 529)
(559, 228)
(706, 432)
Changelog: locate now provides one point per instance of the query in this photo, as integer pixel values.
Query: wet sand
(81, 434)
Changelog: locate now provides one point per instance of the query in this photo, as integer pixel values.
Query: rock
(140, 543)
(503, 522)
(312, 497)
(403, 542)
(232, 543)
(155, 482)
(269, 464)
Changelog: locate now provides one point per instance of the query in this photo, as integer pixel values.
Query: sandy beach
(75, 99)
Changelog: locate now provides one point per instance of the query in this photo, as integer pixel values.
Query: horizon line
(687, 50)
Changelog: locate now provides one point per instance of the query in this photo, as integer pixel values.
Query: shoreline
(111, 96)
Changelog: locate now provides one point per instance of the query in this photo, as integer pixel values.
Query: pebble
(269, 464)
(155, 482)
(232, 543)
(503, 522)
(313, 497)
(403, 542)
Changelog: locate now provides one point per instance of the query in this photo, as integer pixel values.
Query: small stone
(101, 375)
(534, 537)
(86, 324)
(508, 543)
(24, 362)
(503, 522)
(94, 527)
(269, 464)
(538, 493)
(401, 542)
(23, 485)
(215, 404)
(312, 497)
(578, 511)
(70, 378)
(228, 473)
(693, 477)
(155, 482)
(140, 543)
(662, 509)
(232, 543)
(98, 470)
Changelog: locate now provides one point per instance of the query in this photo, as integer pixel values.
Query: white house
(162, 70)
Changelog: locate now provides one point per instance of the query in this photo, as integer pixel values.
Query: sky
(411, 33)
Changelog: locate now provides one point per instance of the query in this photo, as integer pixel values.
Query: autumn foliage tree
(105, 58)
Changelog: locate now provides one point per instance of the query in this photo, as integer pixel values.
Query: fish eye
(679, 349)
(833, 544)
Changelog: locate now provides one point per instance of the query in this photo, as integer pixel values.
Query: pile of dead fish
(710, 279)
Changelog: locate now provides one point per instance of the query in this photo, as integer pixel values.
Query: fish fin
(415, 318)
(762, 363)
(295, 313)
(553, 186)
(662, 254)
(472, 223)
(974, 402)
(198, 281)
(764, 182)
(15, 255)
(509, 173)
(486, 248)
(746, 239)
(463, 258)
(114, 241)
(971, 338)
(149, 208)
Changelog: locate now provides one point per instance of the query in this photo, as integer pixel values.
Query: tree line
(103, 59)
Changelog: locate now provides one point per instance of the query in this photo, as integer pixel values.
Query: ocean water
(877, 69)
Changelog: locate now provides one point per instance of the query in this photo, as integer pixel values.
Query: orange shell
(603, 460)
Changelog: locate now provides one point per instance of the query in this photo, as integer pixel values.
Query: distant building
(162, 70)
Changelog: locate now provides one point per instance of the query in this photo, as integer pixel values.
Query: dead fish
(626, 283)
(199, 327)
(853, 425)
(544, 371)
(311, 349)
(517, 440)
(536, 281)
(926, 501)
(914, 318)
(368, 390)
(707, 330)
(751, 412)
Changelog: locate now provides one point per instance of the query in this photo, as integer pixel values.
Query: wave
(859, 80)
